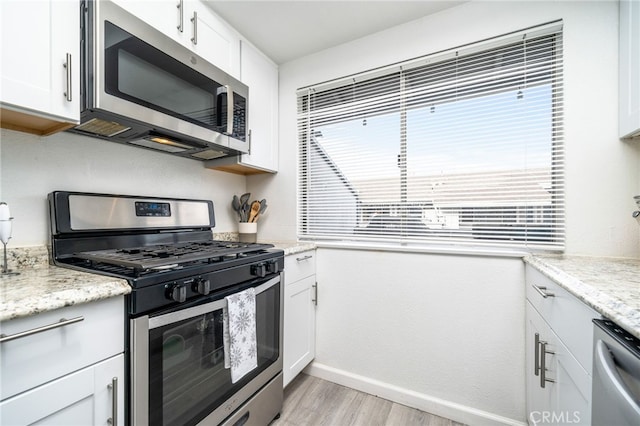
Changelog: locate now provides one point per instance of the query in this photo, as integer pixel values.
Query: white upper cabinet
(261, 75)
(211, 38)
(193, 25)
(40, 65)
(629, 110)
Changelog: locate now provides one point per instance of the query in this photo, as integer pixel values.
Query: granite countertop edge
(621, 309)
(292, 247)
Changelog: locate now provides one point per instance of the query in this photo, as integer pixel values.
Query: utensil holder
(248, 232)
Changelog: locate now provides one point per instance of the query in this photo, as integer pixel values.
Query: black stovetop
(168, 256)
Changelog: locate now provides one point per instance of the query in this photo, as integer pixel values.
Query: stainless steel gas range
(180, 328)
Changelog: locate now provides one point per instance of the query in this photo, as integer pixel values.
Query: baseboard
(440, 407)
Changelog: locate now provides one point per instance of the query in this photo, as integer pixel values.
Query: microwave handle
(230, 107)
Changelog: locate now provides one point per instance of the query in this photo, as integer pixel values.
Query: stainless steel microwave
(142, 88)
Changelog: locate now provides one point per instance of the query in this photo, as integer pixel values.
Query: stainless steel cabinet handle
(62, 323)
(542, 291)
(536, 361)
(315, 294)
(67, 65)
(194, 39)
(543, 364)
(180, 16)
(113, 420)
(300, 259)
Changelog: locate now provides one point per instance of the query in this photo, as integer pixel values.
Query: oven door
(177, 360)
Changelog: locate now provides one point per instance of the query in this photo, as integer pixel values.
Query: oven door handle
(183, 314)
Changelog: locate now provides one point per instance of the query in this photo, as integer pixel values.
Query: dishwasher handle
(611, 380)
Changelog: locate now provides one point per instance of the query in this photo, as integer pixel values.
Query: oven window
(140, 73)
(187, 377)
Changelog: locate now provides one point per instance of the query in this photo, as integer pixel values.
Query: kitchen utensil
(263, 207)
(244, 206)
(244, 198)
(235, 203)
(255, 209)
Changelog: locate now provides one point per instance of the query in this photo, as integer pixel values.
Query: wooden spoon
(255, 209)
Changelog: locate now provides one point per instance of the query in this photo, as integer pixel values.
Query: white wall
(443, 327)
(374, 300)
(33, 166)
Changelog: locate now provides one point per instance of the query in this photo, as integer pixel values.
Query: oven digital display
(147, 208)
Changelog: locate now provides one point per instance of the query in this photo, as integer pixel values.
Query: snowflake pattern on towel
(241, 326)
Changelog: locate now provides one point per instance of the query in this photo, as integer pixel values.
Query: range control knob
(178, 293)
(273, 267)
(202, 286)
(259, 270)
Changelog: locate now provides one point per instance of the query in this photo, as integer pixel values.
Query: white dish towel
(239, 329)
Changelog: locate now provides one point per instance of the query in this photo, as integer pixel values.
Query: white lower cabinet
(61, 367)
(300, 299)
(558, 388)
(559, 338)
(85, 397)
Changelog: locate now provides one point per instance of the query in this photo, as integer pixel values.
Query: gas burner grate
(168, 256)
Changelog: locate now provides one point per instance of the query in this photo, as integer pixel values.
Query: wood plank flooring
(309, 401)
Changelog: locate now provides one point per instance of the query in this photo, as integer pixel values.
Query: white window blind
(464, 147)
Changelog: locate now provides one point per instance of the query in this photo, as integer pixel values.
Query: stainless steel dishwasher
(616, 376)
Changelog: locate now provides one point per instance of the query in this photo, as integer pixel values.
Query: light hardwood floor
(316, 402)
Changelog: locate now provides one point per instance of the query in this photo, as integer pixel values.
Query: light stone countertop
(611, 286)
(41, 287)
(292, 247)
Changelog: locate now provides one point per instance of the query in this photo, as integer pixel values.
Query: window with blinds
(464, 147)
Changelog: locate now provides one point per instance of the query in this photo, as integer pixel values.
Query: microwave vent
(102, 127)
(209, 154)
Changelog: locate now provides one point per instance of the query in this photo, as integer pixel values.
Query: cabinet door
(539, 400)
(192, 24)
(566, 397)
(211, 38)
(299, 326)
(629, 68)
(169, 17)
(41, 58)
(261, 75)
(81, 398)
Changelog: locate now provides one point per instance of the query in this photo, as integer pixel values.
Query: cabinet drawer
(29, 361)
(569, 318)
(300, 265)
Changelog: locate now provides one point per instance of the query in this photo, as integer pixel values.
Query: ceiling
(286, 30)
